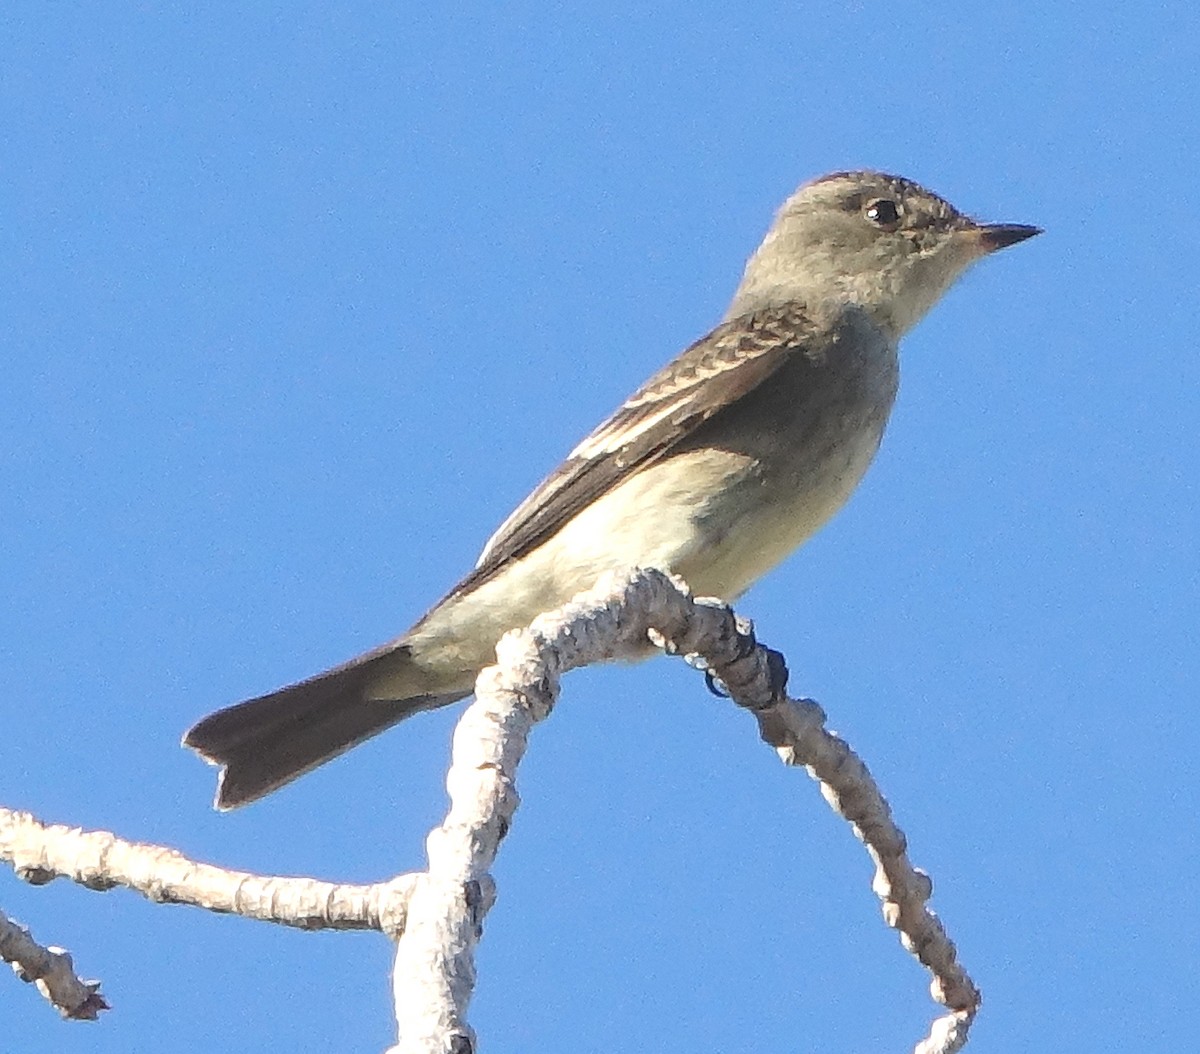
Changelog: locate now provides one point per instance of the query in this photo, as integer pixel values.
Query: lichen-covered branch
(436, 916)
(795, 729)
(51, 971)
(434, 973)
(40, 853)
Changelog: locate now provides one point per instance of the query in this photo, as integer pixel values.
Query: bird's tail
(266, 742)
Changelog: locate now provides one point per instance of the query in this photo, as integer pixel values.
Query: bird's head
(879, 242)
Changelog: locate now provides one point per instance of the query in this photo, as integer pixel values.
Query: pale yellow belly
(706, 517)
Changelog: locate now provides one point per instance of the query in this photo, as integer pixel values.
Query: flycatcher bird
(716, 469)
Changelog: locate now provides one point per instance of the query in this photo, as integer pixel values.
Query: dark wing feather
(712, 374)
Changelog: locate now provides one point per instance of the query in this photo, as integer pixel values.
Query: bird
(717, 468)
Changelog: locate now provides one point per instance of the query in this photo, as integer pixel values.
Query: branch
(795, 729)
(436, 916)
(434, 972)
(52, 971)
(101, 861)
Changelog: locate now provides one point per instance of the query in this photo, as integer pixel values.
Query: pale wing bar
(712, 374)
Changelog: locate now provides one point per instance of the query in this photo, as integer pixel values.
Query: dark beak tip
(1002, 235)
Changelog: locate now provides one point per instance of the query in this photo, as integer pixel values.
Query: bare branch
(795, 729)
(52, 972)
(101, 861)
(434, 973)
(436, 916)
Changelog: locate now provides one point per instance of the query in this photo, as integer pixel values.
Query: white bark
(436, 916)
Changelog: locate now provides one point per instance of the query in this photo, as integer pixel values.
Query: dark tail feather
(266, 742)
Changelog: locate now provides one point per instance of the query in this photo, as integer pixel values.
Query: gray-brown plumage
(716, 469)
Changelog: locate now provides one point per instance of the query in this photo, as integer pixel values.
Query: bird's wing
(712, 374)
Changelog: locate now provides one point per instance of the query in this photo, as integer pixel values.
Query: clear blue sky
(299, 300)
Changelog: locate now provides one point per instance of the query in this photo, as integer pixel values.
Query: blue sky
(300, 300)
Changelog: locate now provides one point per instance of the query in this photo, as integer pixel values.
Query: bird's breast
(807, 437)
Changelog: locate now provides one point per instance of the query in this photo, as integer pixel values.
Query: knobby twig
(434, 972)
(101, 861)
(52, 971)
(436, 916)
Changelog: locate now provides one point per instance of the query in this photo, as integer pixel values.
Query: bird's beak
(992, 236)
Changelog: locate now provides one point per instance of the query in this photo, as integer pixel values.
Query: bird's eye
(885, 213)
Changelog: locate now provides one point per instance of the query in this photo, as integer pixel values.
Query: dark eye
(885, 213)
